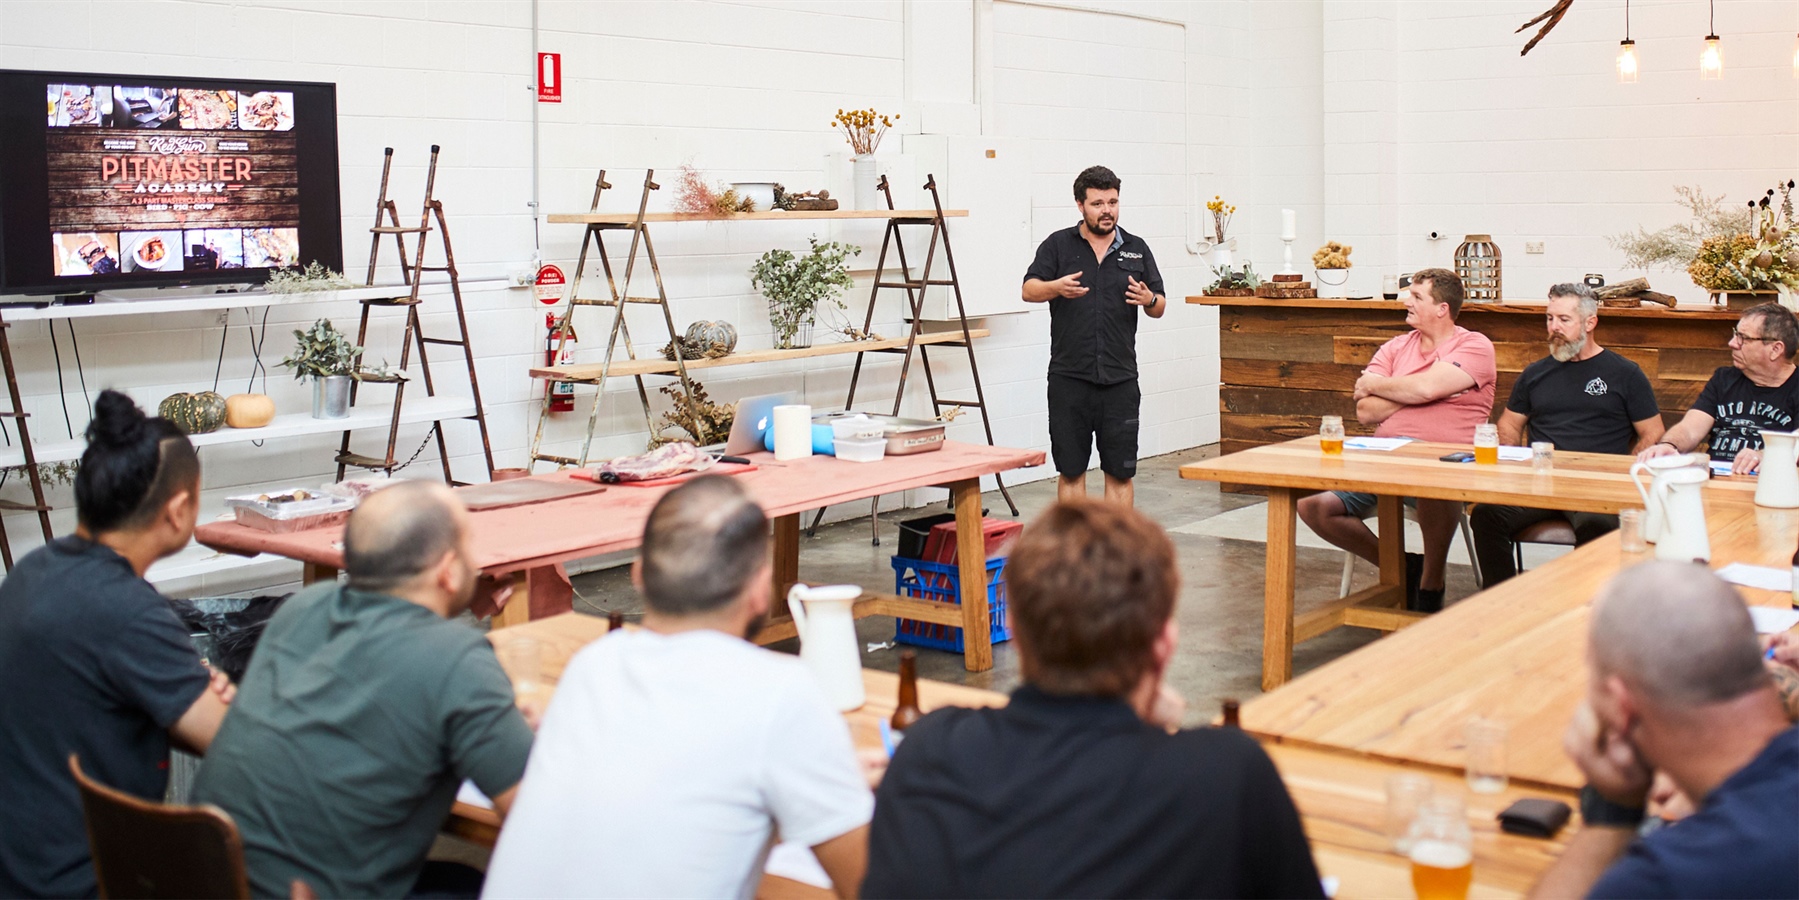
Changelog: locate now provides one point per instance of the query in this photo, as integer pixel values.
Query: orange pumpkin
(249, 410)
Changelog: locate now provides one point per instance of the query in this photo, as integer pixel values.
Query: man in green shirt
(364, 710)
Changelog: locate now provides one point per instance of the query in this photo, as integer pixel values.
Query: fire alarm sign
(549, 78)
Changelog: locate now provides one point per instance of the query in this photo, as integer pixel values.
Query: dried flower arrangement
(1675, 246)
(1221, 217)
(1718, 252)
(315, 277)
(48, 474)
(1332, 256)
(703, 422)
(859, 127)
(694, 195)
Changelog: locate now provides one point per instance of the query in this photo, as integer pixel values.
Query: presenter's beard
(1564, 350)
(1103, 226)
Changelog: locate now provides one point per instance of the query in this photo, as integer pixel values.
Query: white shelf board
(199, 560)
(153, 301)
(414, 410)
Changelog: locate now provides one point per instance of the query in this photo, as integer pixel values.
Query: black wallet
(1535, 817)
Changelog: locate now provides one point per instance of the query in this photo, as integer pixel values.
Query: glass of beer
(1330, 435)
(1442, 851)
(522, 660)
(1486, 444)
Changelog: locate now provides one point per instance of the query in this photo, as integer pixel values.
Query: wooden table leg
(313, 573)
(971, 563)
(1277, 598)
(517, 610)
(786, 562)
(1389, 518)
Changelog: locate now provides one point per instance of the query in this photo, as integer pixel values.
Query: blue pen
(1767, 656)
(887, 738)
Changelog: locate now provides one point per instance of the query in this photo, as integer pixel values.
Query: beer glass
(1442, 851)
(1542, 456)
(1406, 791)
(1630, 534)
(1330, 435)
(1486, 755)
(522, 659)
(1486, 444)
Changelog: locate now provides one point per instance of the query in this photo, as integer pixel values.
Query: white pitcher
(1777, 484)
(1684, 537)
(1658, 468)
(826, 621)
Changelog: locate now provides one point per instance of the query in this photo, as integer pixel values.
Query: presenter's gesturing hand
(1069, 286)
(1138, 294)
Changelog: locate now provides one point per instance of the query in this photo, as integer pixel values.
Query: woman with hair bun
(93, 660)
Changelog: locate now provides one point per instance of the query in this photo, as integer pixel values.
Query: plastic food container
(853, 428)
(268, 512)
(862, 449)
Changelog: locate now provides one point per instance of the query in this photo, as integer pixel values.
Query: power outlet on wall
(1533, 246)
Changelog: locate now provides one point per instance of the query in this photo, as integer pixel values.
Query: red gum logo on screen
(177, 161)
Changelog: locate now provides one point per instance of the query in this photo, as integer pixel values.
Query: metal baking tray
(904, 436)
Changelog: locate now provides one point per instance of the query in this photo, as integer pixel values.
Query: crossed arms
(1380, 396)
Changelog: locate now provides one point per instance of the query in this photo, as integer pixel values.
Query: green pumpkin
(194, 413)
(718, 336)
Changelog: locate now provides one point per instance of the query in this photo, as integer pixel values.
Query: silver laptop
(750, 424)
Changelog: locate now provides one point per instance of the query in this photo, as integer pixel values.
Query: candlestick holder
(1287, 257)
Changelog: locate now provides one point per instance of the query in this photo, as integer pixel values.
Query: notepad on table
(1375, 443)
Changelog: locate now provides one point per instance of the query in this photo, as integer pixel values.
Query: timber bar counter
(1285, 363)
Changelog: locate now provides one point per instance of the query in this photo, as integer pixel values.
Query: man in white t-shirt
(674, 756)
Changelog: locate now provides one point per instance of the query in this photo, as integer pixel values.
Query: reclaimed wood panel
(1285, 402)
(1286, 373)
(1296, 347)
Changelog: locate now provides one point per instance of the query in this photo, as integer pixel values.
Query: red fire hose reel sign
(549, 285)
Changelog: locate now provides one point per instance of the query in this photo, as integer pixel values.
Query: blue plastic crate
(943, 582)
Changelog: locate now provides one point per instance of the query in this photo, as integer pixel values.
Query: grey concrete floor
(1220, 607)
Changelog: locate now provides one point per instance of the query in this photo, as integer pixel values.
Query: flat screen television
(133, 181)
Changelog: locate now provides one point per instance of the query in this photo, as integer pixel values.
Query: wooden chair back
(154, 850)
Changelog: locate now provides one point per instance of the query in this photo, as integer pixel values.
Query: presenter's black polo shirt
(1094, 337)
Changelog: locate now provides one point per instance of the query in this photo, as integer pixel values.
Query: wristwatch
(1596, 810)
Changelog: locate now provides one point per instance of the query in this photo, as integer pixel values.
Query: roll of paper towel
(793, 431)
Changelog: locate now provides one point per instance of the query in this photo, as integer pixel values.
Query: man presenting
(1581, 397)
(1756, 391)
(1095, 278)
(1434, 383)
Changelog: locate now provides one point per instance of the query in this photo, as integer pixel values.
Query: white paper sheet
(1773, 620)
(1767, 578)
(1720, 468)
(795, 861)
(1374, 443)
(1515, 454)
(472, 795)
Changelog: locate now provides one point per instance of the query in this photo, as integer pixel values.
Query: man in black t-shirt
(1081, 786)
(1756, 391)
(1095, 278)
(1581, 397)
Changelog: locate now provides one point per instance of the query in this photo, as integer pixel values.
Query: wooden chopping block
(1272, 291)
(1295, 277)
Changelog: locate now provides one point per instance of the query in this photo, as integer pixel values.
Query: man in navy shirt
(1095, 278)
(1758, 390)
(1677, 685)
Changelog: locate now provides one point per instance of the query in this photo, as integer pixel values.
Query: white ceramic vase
(867, 178)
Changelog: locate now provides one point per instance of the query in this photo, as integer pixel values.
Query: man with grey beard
(1581, 397)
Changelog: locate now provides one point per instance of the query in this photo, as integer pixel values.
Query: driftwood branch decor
(1553, 15)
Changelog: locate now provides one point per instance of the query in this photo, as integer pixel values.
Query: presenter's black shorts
(1082, 413)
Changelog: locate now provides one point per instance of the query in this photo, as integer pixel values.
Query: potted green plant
(326, 356)
(796, 284)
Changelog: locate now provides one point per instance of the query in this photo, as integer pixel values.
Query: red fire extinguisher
(561, 393)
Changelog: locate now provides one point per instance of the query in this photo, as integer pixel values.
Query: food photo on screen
(150, 251)
(207, 110)
(276, 248)
(75, 105)
(136, 106)
(265, 110)
(86, 253)
(211, 249)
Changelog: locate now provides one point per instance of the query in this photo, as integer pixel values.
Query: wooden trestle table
(1341, 796)
(510, 543)
(1583, 482)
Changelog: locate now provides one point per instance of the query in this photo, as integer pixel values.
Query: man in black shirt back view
(1080, 786)
(1582, 398)
(1095, 278)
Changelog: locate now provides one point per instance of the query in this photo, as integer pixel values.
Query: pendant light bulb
(1627, 62)
(1711, 60)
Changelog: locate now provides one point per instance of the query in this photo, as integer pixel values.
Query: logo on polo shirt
(1597, 387)
(1126, 254)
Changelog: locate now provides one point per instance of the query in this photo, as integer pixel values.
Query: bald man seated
(363, 711)
(1676, 685)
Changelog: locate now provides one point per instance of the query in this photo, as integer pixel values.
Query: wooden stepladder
(618, 300)
(18, 414)
(387, 222)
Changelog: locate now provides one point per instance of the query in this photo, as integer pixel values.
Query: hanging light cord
(1627, 21)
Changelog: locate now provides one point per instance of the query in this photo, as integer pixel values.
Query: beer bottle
(907, 711)
(614, 621)
(1230, 714)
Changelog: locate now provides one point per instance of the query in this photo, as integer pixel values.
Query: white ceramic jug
(1777, 484)
(1684, 537)
(1658, 468)
(826, 621)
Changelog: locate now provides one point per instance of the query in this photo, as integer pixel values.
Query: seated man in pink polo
(1434, 383)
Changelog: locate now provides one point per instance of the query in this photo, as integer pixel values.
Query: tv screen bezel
(25, 197)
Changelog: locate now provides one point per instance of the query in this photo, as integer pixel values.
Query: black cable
(79, 371)
(223, 337)
(256, 342)
(61, 392)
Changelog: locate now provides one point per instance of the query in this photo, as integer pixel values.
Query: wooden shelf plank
(374, 414)
(589, 218)
(153, 301)
(659, 366)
